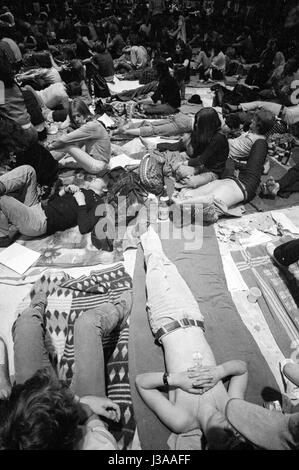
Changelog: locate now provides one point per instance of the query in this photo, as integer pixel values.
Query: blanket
(280, 300)
(67, 299)
(226, 333)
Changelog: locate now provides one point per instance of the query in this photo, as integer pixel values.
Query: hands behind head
(196, 380)
(102, 406)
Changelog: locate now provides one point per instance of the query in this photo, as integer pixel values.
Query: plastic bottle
(163, 206)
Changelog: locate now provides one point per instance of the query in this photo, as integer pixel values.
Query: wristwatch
(165, 380)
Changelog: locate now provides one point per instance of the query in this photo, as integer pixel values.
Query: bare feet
(270, 188)
(5, 385)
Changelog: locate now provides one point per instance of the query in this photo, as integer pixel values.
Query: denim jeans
(163, 109)
(168, 296)
(30, 352)
(19, 206)
(175, 125)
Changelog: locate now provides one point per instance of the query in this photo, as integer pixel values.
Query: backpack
(151, 174)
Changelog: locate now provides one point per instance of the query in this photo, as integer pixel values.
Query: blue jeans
(175, 125)
(19, 207)
(168, 296)
(30, 352)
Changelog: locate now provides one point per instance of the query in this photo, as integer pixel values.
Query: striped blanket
(67, 299)
(280, 299)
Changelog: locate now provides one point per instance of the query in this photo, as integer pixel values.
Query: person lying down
(196, 395)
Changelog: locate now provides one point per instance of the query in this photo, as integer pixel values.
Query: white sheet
(122, 160)
(18, 258)
(122, 85)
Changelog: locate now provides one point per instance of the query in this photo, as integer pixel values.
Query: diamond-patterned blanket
(67, 299)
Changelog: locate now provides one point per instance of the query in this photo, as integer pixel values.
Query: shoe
(270, 248)
(124, 305)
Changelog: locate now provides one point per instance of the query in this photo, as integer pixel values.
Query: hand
(72, 188)
(205, 377)
(80, 198)
(102, 406)
(184, 382)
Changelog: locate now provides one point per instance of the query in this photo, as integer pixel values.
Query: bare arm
(173, 416)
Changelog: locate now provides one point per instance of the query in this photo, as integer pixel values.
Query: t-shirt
(54, 95)
(168, 92)
(63, 212)
(240, 147)
(105, 64)
(93, 135)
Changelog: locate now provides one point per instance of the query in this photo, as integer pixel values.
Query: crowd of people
(57, 61)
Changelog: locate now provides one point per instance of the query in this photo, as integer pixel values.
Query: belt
(174, 325)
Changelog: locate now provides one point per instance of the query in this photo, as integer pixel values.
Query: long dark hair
(207, 123)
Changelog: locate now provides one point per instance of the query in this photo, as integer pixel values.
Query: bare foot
(5, 385)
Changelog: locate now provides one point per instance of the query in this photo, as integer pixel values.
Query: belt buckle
(184, 322)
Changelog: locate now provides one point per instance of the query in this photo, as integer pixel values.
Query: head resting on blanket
(40, 414)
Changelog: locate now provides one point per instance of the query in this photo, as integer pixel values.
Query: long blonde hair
(78, 105)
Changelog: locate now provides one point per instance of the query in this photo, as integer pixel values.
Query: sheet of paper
(122, 160)
(18, 258)
(287, 224)
(234, 279)
(256, 238)
(122, 85)
(106, 120)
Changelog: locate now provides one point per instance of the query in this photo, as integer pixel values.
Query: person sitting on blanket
(221, 195)
(207, 148)
(89, 133)
(39, 412)
(239, 148)
(197, 397)
(21, 211)
(167, 92)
